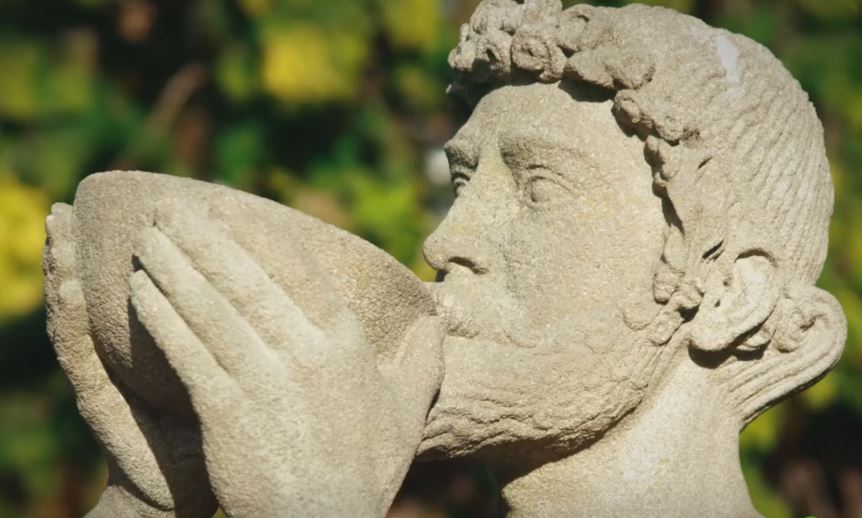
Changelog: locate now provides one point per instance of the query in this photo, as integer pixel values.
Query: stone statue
(642, 211)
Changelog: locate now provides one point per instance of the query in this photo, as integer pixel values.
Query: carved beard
(511, 392)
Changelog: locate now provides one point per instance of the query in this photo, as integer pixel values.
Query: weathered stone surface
(308, 308)
(302, 255)
(635, 240)
(642, 211)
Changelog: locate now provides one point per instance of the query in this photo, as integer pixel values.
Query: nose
(459, 242)
(473, 234)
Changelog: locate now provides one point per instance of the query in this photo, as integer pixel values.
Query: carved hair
(735, 146)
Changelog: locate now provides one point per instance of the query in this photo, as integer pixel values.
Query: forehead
(575, 115)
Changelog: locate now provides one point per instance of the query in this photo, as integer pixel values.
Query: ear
(738, 298)
(809, 333)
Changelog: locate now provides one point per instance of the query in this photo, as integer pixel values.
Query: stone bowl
(111, 208)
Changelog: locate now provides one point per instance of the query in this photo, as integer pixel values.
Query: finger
(416, 375)
(98, 400)
(129, 437)
(67, 320)
(207, 315)
(196, 366)
(58, 259)
(69, 331)
(305, 272)
(279, 321)
(100, 403)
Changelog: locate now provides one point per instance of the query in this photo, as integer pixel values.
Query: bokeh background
(337, 107)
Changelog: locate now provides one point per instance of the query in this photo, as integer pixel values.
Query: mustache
(455, 315)
(474, 312)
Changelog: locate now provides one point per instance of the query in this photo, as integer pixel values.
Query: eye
(541, 189)
(459, 181)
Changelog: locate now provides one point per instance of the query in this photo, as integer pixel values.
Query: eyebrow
(458, 150)
(524, 146)
(512, 140)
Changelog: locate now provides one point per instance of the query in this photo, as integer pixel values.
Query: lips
(480, 309)
(456, 317)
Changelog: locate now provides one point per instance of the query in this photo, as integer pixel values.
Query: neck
(677, 455)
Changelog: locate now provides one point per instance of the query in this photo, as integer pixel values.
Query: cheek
(549, 267)
(582, 256)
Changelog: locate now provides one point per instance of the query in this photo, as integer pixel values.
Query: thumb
(415, 377)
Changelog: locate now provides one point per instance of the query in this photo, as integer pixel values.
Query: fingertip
(60, 208)
(142, 294)
(142, 242)
(172, 215)
(61, 213)
(139, 280)
(58, 221)
(189, 228)
(70, 295)
(164, 213)
(147, 246)
(141, 291)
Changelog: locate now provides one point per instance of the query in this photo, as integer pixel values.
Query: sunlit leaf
(236, 73)
(239, 151)
(304, 64)
(256, 8)
(831, 9)
(761, 433)
(22, 218)
(822, 394)
(411, 24)
(19, 61)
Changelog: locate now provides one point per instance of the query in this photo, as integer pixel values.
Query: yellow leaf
(22, 235)
(304, 64)
(761, 433)
(256, 8)
(412, 24)
(821, 394)
(830, 9)
(18, 89)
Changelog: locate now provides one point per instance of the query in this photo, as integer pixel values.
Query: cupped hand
(297, 418)
(155, 463)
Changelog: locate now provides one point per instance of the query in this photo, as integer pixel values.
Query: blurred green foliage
(337, 107)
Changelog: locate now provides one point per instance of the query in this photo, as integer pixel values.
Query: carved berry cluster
(537, 39)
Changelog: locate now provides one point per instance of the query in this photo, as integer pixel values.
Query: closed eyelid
(533, 164)
(527, 154)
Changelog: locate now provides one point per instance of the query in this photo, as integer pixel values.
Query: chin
(456, 430)
(499, 402)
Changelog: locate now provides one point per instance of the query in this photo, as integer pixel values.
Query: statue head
(634, 189)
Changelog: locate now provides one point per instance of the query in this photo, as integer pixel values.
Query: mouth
(456, 317)
(482, 312)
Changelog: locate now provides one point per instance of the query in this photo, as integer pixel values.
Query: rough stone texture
(642, 211)
(321, 319)
(646, 200)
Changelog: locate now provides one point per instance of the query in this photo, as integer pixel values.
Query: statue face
(548, 251)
